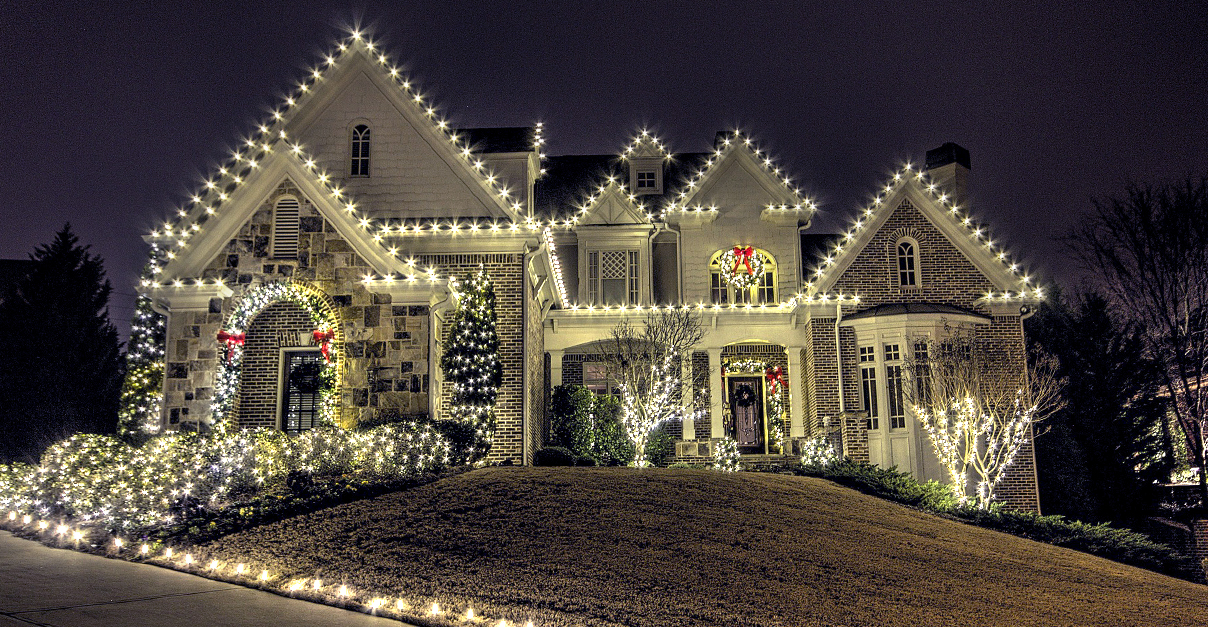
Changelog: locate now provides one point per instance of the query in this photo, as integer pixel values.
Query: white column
(689, 424)
(555, 368)
(715, 393)
(796, 394)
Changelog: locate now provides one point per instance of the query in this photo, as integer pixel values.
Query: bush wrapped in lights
(103, 481)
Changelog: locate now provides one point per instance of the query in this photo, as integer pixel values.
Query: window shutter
(285, 229)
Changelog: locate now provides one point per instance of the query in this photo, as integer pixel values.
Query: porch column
(686, 399)
(555, 368)
(796, 394)
(715, 393)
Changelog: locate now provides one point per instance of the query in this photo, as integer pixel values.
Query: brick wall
(506, 272)
(260, 377)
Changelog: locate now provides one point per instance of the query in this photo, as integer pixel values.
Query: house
(335, 232)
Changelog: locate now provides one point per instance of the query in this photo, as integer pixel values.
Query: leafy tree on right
(1148, 249)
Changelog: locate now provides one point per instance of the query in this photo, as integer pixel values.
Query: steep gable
(612, 204)
(737, 175)
(958, 262)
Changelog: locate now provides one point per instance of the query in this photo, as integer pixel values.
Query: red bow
(324, 338)
(231, 340)
(776, 378)
(743, 256)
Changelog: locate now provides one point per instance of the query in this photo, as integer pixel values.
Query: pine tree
(471, 360)
(62, 369)
(141, 391)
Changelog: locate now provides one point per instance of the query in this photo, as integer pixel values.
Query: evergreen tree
(1101, 455)
(141, 391)
(471, 360)
(62, 370)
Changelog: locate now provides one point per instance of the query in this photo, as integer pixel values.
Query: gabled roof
(612, 204)
(730, 147)
(936, 204)
(271, 136)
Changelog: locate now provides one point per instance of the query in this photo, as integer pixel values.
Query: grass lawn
(669, 548)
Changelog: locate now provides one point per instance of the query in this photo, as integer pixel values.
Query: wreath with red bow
(741, 267)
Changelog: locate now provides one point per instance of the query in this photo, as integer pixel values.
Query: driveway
(60, 588)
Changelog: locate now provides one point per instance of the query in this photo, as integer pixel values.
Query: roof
(499, 139)
(570, 179)
(896, 309)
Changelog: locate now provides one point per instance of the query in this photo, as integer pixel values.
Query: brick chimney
(948, 166)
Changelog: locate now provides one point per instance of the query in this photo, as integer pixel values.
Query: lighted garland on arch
(774, 396)
(231, 338)
(741, 267)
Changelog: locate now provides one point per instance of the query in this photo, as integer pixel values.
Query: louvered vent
(285, 229)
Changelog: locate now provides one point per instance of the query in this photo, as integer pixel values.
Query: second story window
(360, 151)
(646, 180)
(612, 277)
(762, 292)
(907, 264)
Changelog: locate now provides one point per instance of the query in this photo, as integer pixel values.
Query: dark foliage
(461, 437)
(588, 425)
(660, 448)
(62, 371)
(1121, 545)
(553, 456)
(1100, 456)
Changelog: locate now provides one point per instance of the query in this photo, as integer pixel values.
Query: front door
(746, 414)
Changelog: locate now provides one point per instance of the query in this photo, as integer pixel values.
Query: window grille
(301, 404)
(893, 387)
(646, 180)
(868, 385)
(907, 272)
(286, 221)
(613, 277)
(360, 151)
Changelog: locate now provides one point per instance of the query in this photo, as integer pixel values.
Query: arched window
(764, 290)
(907, 264)
(286, 222)
(360, 151)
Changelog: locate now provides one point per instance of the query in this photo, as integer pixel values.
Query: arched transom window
(907, 267)
(764, 290)
(360, 151)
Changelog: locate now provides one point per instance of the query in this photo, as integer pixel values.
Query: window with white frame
(922, 373)
(596, 379)
(895, 399)
(613, 277)
(907, 271)
(868, 384)
(286, 222)
(359, 165)
(764, 290)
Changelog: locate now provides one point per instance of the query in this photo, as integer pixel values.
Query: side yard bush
(587, 425)
(1121, 545)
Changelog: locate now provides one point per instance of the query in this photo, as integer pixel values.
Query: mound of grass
(621, 546)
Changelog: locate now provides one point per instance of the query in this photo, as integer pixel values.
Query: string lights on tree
(471, 359)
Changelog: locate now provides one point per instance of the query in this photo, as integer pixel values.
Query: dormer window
(360, 151)
(907, 270)
(646, 180)
(646, 175)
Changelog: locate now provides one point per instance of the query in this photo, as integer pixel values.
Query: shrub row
(1121, 545)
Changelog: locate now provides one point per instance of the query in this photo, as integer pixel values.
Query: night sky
(111, 115)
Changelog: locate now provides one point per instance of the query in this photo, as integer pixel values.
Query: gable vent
(285, 228)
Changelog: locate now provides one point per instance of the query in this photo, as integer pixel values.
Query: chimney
(948, 166)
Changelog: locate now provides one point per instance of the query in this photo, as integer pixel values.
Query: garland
(232, 337)
(775, 393)
(741, 267)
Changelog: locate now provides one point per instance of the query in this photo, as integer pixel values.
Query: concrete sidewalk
(59, 588)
